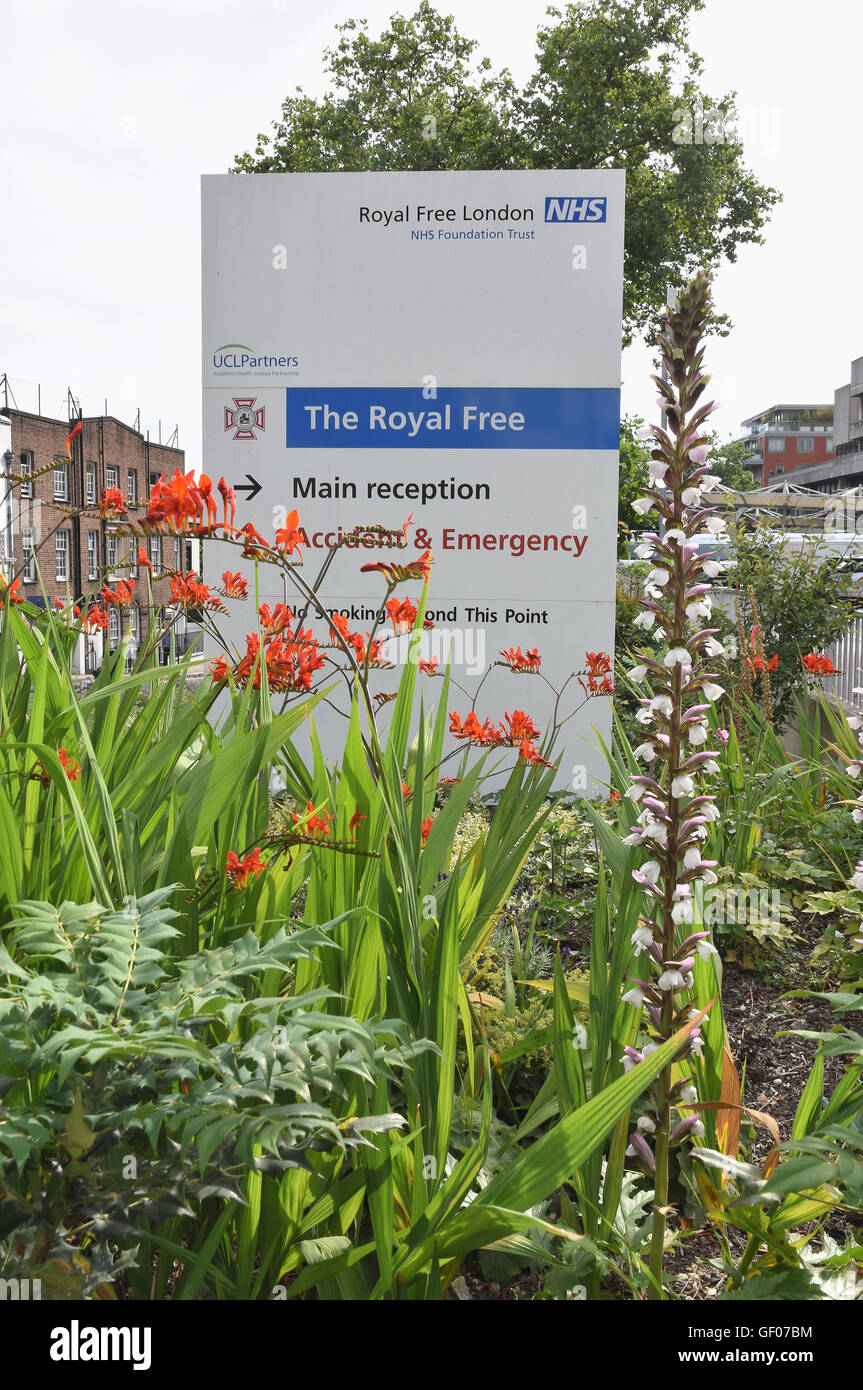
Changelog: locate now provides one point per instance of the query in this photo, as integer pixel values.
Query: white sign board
(442, 344)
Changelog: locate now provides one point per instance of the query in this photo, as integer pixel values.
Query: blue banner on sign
(484, 417)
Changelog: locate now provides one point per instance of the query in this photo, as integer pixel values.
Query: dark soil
(773, 1065)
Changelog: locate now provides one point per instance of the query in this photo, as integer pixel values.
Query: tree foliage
(614, 86)
(727, 462)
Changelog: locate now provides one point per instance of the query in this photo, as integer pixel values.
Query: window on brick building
(131, 486)
(155, 548)
(26, 470)
(61, 555)
(91, 484)
(61, 483)
(113, 627)
(776, 446)
(113, 555)
(112, 477)
(806, 446)
(177, 553)
(28, 546)
(92, 554)
(135, 622)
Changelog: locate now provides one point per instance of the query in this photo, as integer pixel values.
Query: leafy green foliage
(614, 86)
(802, 600)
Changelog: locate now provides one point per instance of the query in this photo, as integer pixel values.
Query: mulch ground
(774, 1065)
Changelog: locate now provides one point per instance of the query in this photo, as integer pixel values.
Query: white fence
(847, 657)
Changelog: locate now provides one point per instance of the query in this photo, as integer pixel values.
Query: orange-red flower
(316, 824)
(120, 597)
(71, 769)
(596, 667)
(143, 558)
(9, 592)
(818, 664)
(425, 829)
(112, 503)
(71, 435)
(277, 619)
(403, 615)
(234, 585)
(399, 574)
(239, 871)
(429, 668)
(520, 661)
(229, 500)
(256, 547)
(291, 536)
(189, 592)
(516, 730)
(94, 617)
(356, 820)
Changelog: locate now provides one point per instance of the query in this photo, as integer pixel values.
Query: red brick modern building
(787, 437)
(55, 539)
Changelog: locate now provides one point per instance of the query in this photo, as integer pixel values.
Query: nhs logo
(575, 209)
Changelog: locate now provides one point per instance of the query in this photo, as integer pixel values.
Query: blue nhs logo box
(575, 209)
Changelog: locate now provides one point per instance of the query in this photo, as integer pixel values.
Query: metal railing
(847, 657)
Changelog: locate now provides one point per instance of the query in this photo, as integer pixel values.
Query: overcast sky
(112, 109)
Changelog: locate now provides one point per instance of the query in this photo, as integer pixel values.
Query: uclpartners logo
(239, 357)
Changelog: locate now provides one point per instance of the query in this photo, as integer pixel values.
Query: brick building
(52, 520)
(787, 437)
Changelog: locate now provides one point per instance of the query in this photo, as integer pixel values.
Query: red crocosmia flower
(339, 627)
(515, 731)
(356, 820)
(71, 435)
(9, 592)
(406, 790)
(291, 536)
(239, 871)
(426, 828)
(428, 668)
(229, 499)
(597, 663)
(71, 769)
(316, 824)
(94, 618)
(520, 661)
(112, 503)
(596, 668)
(256, 546)
(819, 664)
(399, 574)
(205, 488)
(175, 503)
(143, 558)
(187, 591)
(528, 754)
(234, 585)
(58, 603)
(520, 726)
(278, 619)
(403, 615)
(219, 669)
(120, 597)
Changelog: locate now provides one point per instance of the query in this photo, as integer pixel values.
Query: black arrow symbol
(252, 487)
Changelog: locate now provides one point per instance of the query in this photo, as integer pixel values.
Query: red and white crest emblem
(244, 419)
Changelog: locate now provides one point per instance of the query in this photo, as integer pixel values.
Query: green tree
(633, 479)
(616, 86)
(726, 461)
(803, 602)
